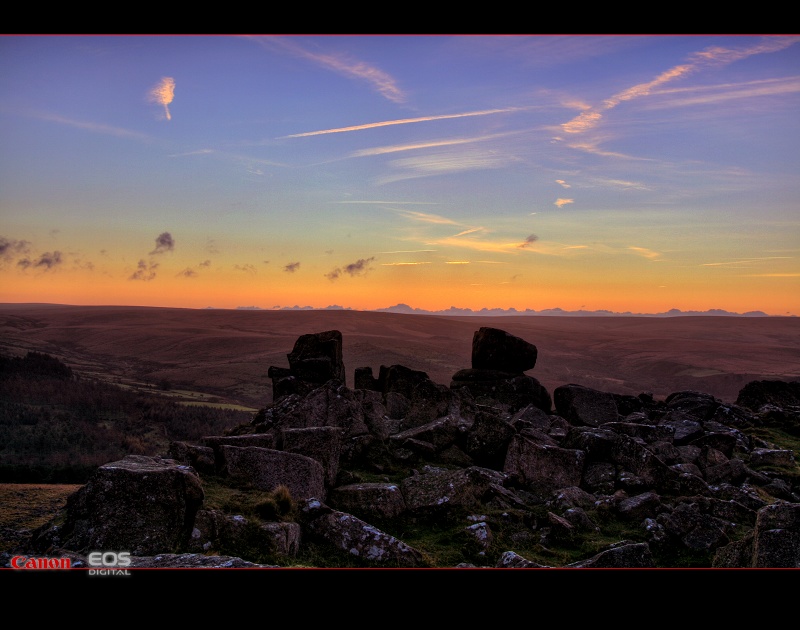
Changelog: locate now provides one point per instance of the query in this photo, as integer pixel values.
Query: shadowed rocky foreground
(517, 475)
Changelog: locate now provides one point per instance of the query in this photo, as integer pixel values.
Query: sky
(622, 173)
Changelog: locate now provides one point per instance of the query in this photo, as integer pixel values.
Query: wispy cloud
(427, 218)
(92, 126)
(196, 152)
(409, 251)
(291, 267)
(563, 202)
(470, 231)
(446, 162)
(390, 203)
(528, 241)
(772, 275)
(713, 94)
(646, 253)
(405, 264)
(381, 81)
(710, 57)
(432, 144)
(402, 121)
(743, 262)
(163, 94)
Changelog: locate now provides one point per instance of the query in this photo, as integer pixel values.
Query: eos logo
(113, 562)
(109, 559)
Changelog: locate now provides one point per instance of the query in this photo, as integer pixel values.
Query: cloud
(714, 94)
(563, 202)
(427, 218)
(562, 183)
(380, 81)
(163, 93)
(771, 275)
(746, 262)
(433, 144)
(47, 261)
(205, 263)
(358, 268)
(470, 231)
(445, 162)
(409, 251)
(528, 241)
(94, 127)
(144, 271)
(246, 268)
(9, 248)
(291, 267)
(402, 121)
(712, 56)
(187, 273)
(164, 243)
(647, 253)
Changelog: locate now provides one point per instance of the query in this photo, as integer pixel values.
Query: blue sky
(623, 173)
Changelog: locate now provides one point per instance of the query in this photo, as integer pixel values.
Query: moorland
(221, 356)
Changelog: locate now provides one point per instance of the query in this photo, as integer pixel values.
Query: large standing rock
(495, 349)
(142, 505)
(499, 361)
(315, 359)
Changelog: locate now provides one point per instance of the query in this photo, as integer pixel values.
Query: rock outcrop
(509, 471)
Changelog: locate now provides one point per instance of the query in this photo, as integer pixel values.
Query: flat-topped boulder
(495, 349)
(143, 505)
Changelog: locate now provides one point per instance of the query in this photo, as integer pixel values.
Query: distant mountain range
(497, 312)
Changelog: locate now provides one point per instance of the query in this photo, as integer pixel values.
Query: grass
(26, 507)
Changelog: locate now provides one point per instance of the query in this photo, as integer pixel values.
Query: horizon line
(405, 309)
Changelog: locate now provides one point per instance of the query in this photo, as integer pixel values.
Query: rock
(580, 405)
(143, 505)
(266, 469)
(495, 349)
(357, 538)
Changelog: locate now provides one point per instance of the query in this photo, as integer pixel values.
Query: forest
(58, 427)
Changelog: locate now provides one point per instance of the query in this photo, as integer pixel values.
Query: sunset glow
(623, 173)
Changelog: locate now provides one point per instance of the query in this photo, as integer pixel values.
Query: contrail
(163, 93)
(403, 121)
